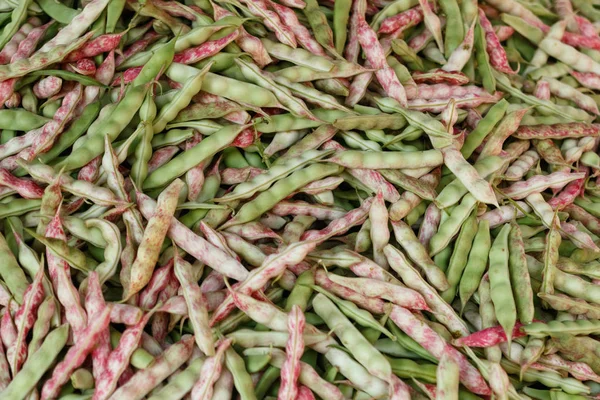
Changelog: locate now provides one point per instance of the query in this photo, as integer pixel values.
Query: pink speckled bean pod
(246, 138)
(207, 49)
(409, 200)
(488, 337)
(342, 225)
(398, 389)
(46, 312)
(26, 188)
(305, 393)
(370, 178)
(418, 42)
(371, 304)
(504, 32)
(5, 377)
(138, 46)
(118, 359)
(396, 294)
(462, 54)
(498, 58)
(558, 131)
(404, 20)
(504, 214)
(322, 185)
(540, 183)
(160, 328)
(210, 373)
(195, 245)
(197, 309)
(233, 176)
(250, 44)
(91, 171)
(290, 371)
(293, 3)
(579, 370)
(76, 355)
(194, 178)
(5, 296)
(95, 305)
(376, 57)
(24, 320)
(25, 49)
(273, 266)
(438, 347)
(577, 40)
(588, 220)
(567, 92)
(447, 91)
(253, 231)
(177, 305)
(236, 115)
(462, 102)
(161, 156)
(144, 380)
(8, 330)
(149, 295)
(9, 50)
(302, 35)
(568, 195)
(50, 131)
(60, 276)
(588, 79)
(359, 7)
(308, 376)
(125, 314)
(99, 45)
(285, 208)
(466, 173)
(439, 76)
(261, 312)
(283, 32)
(433, 23)
(77, 26)
(580, 239)
(586, 28)
(174, 9)
(563, 8)
(84, 66)
(380, 233)
(213, 282)
(431, 221)
(542, 90)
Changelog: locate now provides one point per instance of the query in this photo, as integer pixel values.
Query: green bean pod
(460, 255)
(280, 190)
(365, 353)
(501, 289)
(190, 158)
(111, 125)
(20, 120)
(37, 364)
(190, 88)
(452, 225)
(519, 275)
(476, 263)
(483, 61)
(553, 328)
(241, 377)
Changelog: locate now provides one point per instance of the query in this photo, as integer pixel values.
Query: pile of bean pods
(299, 199)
